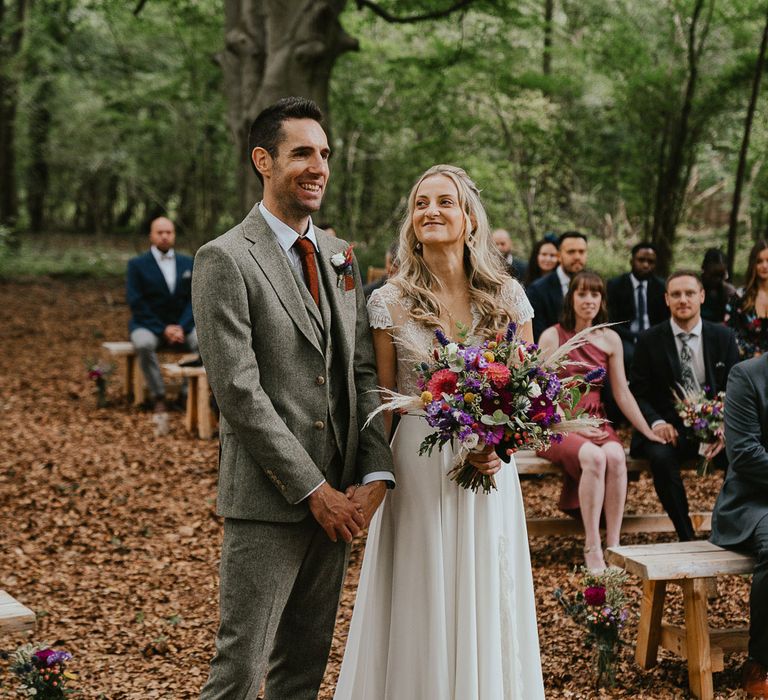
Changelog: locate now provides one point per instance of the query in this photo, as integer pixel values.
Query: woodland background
(626, 120)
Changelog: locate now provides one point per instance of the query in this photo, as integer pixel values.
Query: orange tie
(306, 250)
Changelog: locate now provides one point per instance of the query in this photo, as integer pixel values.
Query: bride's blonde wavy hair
(483, 265)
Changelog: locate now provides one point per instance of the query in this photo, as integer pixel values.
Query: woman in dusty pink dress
(593, 460)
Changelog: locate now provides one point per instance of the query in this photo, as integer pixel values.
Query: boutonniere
(342, 263)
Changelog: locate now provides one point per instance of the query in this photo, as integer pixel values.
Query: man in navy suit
(636, 299)
(546, 293)
(158, 289)
(681, 353)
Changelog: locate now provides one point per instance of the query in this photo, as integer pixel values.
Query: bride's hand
(485, 460)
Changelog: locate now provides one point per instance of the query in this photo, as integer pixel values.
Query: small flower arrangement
(98, 373)
(342, 263)
(502, 392)
(601, 607)
(705, 417)
(41, 672)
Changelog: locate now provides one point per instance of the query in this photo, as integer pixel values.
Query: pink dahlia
(442, 382)
(497, 373)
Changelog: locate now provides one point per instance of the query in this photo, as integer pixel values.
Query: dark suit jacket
(622, 303)
(546, 297)
(743, 500)
(656, 369)
(152, 305)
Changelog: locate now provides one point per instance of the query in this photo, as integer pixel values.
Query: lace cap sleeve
(378, 313)
(516, 302)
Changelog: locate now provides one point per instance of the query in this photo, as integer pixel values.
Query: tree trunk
(741, 169)
(546, 62)
(11, 36)
(276, 48)
(37, 175)
(680, 146)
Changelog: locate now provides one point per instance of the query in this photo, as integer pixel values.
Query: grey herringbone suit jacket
(293, 384)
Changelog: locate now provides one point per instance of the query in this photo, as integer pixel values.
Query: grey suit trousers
(280, 587)
(758, 598)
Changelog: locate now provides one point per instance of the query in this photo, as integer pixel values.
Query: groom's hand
(368, 498)
(337, 515)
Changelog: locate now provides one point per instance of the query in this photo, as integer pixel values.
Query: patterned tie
(306, 250)
(641, 307)
(686, 363)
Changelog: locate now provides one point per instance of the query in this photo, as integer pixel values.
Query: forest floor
(109, 534)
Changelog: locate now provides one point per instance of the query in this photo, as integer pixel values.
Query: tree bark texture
(546, 62)
(678, 147)
(742, 166)
(274, 49)
(38, 173)
(12, 17)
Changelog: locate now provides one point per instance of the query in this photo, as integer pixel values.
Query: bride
(445, 606)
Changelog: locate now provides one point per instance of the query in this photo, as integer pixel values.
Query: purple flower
(464, 433)
(473, 358)
(494, 435)
(595, 375)
(472, 383)
(553, 387)
(441, 337)
(49, 657)
(511, 330)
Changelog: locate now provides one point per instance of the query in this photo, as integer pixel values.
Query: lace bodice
(388, 307)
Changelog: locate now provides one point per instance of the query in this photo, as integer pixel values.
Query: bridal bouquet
(503, 392)
(602, 608)
(41, 672)
(705, 418)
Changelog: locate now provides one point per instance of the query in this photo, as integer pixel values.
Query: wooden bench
(14, 617)
(133, 378)
(689, 564)
(528, 463)
(198, 416)
(374, 274)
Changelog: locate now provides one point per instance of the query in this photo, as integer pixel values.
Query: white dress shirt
(286, 237)
(167, 264)
(635, 326)
(564, 279)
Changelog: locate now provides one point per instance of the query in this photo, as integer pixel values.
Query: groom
(285, 341)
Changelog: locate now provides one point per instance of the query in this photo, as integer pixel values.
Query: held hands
(174, 334)
(367, 498)
(338, 515)
(667, 433)
(485, 460)
(592, 433)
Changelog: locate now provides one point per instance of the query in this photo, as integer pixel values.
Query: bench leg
(697, 638)
(204, 425)
(128, 376)
(190, 419)
(137, 377)
(649, 630)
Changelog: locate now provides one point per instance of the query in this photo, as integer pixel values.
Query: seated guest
(637, 298)
(747, 311)
(740, 517)
(516, 266)
(546, 293)
(543, 260)
(330, 229)
(717, 289)
(158, 290)
(390, 268)
(593, 459)
(682, 353)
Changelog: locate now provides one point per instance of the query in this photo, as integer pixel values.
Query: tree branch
(387, 16)
(139, 7)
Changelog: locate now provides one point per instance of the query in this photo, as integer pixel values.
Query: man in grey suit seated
(740, 518)
(283, 332)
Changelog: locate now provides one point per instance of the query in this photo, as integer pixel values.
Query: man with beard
(546, 293)
(636, 299)
(289, 356)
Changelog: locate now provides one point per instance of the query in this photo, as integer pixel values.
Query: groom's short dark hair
(266, 130)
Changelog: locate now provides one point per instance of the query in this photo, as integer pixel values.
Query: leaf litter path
(110, 534)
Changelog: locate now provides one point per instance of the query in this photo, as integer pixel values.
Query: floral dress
(751, 330)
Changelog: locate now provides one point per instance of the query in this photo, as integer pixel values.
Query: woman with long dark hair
(543, 260)
(747, 312)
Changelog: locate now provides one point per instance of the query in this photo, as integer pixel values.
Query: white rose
(338, 259)
(534, 390)
(471, 441)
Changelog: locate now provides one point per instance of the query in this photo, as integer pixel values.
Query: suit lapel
(707, 347)
(341, 312)
(157, 273)
(672, 357)
(271, 258)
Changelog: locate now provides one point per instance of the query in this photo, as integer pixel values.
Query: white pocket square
(186, 274)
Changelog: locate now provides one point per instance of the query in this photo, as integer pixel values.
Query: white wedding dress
(445, 607)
